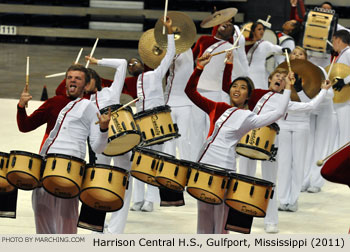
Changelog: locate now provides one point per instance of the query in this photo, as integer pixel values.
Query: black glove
(339, 85)
(298, 83)
(286, 48)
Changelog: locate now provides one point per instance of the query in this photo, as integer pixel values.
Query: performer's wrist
(200, 67)
(20, 106)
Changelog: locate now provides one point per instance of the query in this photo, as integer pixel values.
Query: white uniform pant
(269, 172)
(118, 219)
(200, 123)
(323, 127)
(343, 115)
(292, 148)
(211, 219)
(182, 117)
(140, 193)
(54, 215)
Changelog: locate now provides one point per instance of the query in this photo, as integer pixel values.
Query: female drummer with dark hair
(228, 123)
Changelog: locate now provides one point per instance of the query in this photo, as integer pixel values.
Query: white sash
(54, 132)
(214, 46)
(260, 104)
(140, 94)
(252, 51)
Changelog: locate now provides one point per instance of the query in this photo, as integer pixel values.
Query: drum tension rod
(81, 172)
(30, 165)
(53, 165)
(272, 193)
(125, 181)
(110, 175)
(132, 156)
(235, 186)
(153, 163)
(176, 170)
(267, 194)
(196, 177)
(2, 163)
(251, 190)
(69, 166)
(92, 175)
(210, 180)
(13, 161)
(161, 166)
(223, 184)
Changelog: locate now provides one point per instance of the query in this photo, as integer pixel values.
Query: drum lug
(7, 163)
(53, 165)
(2, 163)
(13, 161)
(210, 180)
(257, 141)
(272, 193)
(247, 139)
(123, 125)
(125, 181)
(113, 129)
(132, 156)
(110, 175)
(176, 128)
(153, 163)
(81, 172)
(152, 132)
(30, 165)
(267, 194)
(196, 177)
(127, 185)
(176, 170)
(170, 128)
(251, 191)
(92, 175)
(223, 183)
(235, 186)
(138, 160)
(69, 166)
(161, 129)
(133, 125)
(157, 165)
(161, 166)
(188, 174)
(266, 144)
(143, 135)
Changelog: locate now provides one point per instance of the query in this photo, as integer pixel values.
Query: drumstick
(64, 73)
(288, 62)
(330, 43)
(92, 53)
(165, 13)
(234, 47)
(321, 161)
(78, 57)
(330, 68)
(27, 77)
(124, 106)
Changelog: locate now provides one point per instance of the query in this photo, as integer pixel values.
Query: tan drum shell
(248, 146)
(167, 176)
(5, 186)
(156, 122)
(241, 200)
(144, 166)
(102, 194)
(201, 190)
(122, 133)
(317, 29)
(20, 175)
(59, 181)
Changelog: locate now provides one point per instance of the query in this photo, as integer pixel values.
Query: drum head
(101, 199)
(22, 180)
(61, 187)
(122, 143)
(252, 152)
(114, 107)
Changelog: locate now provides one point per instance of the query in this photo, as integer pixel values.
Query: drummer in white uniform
(228, 124)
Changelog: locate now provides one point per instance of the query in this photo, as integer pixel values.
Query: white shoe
(304, 188)
(137, 206)
(147, 206)
(283, 207)
(293, 207)
(271, 228)
(314, 189)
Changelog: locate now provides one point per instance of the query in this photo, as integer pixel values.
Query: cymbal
(312, 77)
(340, 71)
(150, 52)
(218, 17)
(184, 31)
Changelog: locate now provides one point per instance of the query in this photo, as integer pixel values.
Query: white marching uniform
(150, 91)
(292, 147)
(210, 86)
(181, 106)
(75, 123)
(219, 150)
(106, 97)
(256, 56)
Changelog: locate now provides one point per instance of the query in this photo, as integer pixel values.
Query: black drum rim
(250, 179)
(150, 142)
(239, 201)
(108, 167)
(59, 176)
(152, 111)
(217, 171)
(146, 151)
(114, 107)
(26, 153)
(4, 154)
(25, 189)
(95, 187)
(65, 157)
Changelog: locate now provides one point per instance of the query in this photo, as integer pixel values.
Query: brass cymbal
(218, 17)
(184, 31)
(312, 77)
(150, 52)
(340, 71)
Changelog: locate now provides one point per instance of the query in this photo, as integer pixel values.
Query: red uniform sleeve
(36, 119)
(130, 87)
(226, 80)
(255, 97)
(192, 93)
(61, 89)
